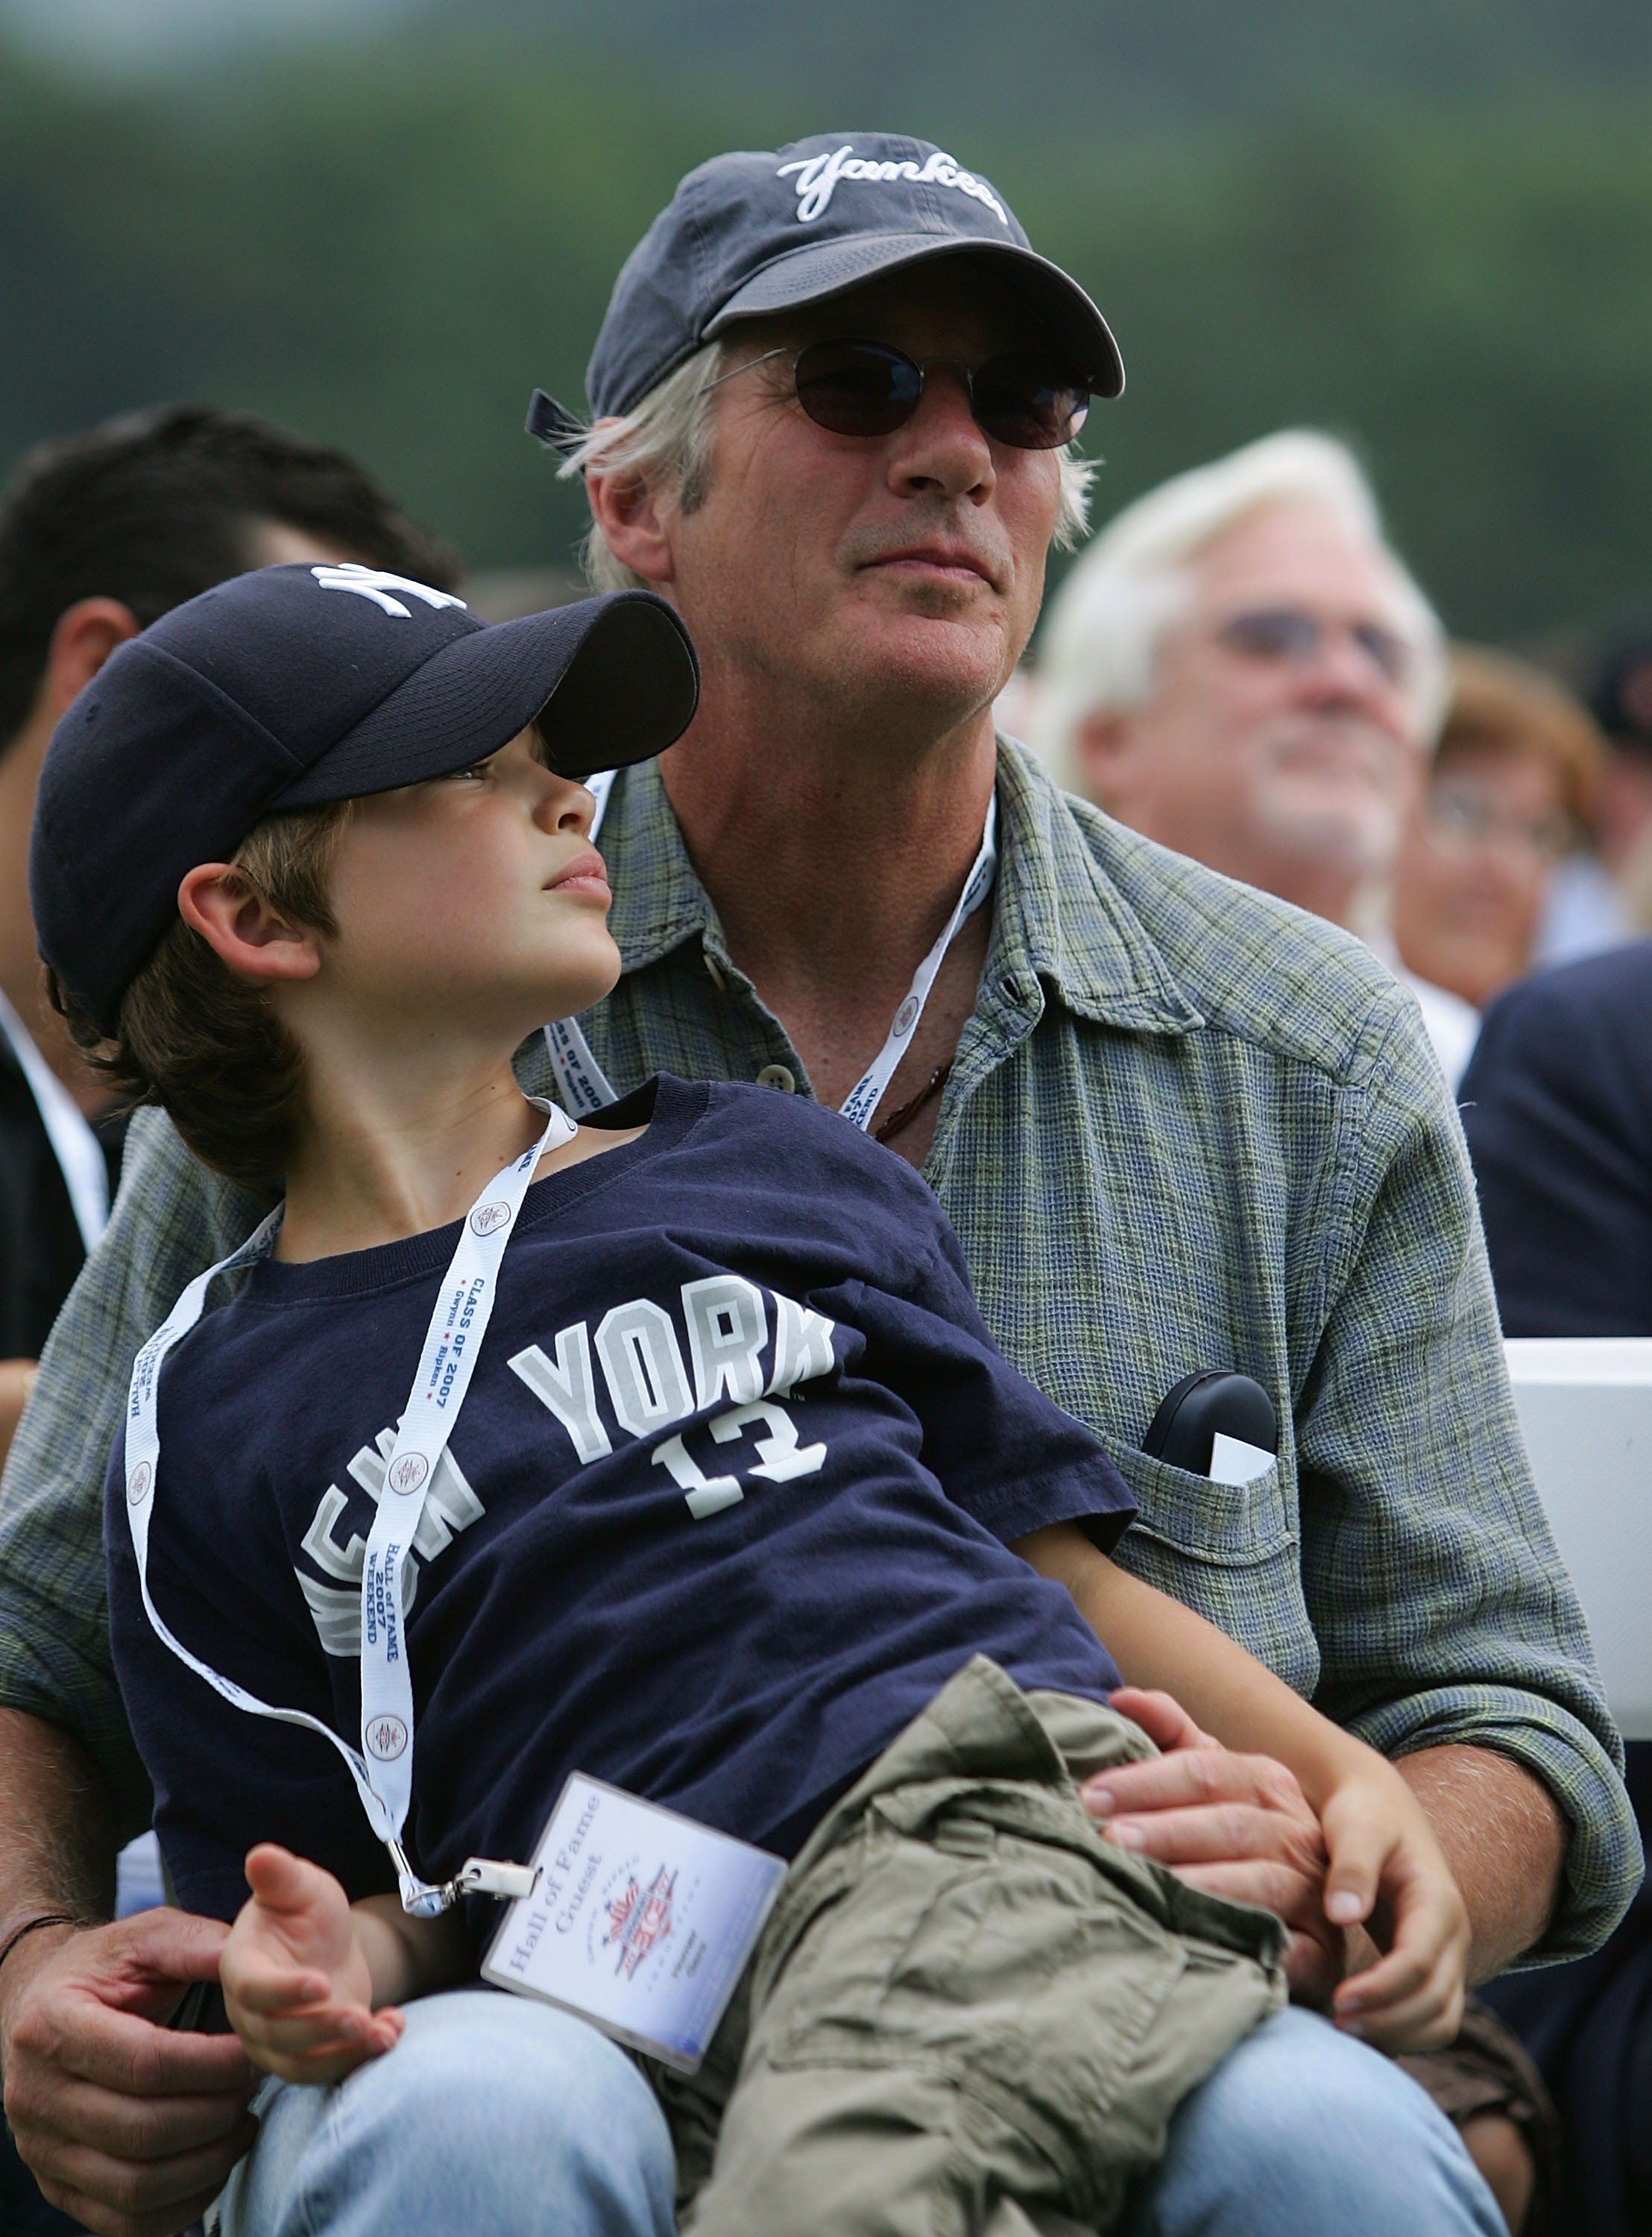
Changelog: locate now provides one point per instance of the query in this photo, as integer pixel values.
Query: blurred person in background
(1558, 1110)
(1510, 793)
(99, 534)
(1619, 693)
(1558, 1114)
(1239, 667)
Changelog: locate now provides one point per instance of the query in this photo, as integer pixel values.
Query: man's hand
(1237, 1825)
(130, 2128)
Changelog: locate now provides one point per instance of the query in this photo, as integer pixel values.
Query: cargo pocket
(828, 2004)
(1039, 1987)
(1067, 2007)
(975, 1960)
(1230, 1551)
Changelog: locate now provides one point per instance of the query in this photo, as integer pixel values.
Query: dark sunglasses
(866, 388)
(1285, 633)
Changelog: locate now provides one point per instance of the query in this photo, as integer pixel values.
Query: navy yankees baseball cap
(750, 234)
(297, 685)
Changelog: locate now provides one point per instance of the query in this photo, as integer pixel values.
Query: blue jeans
(504, 2118)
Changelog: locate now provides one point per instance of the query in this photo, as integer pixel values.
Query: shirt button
(714, 971)
(777, 1075)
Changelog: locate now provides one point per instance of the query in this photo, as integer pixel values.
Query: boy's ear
(241, 928)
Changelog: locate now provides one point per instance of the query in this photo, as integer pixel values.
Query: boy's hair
(207, 1046)
(155, 507)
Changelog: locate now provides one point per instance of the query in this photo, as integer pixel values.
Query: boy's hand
(295, 1980)
(1388, 1874)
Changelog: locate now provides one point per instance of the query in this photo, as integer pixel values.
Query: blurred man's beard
(1329, 798)
(1351, 839)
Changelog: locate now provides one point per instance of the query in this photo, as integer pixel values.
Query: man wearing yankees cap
(1177, 1125)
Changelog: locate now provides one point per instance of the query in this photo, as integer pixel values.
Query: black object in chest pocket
(1216, 1401)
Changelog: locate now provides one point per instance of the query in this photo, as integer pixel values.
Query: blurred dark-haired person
(1510, 794)
(1618, 687)
(101, 533)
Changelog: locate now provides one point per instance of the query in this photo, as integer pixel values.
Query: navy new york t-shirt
(727, 1503)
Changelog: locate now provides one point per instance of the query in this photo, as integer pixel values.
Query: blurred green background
(1426, 224)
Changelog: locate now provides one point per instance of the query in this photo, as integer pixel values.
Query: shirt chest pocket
(1230, 1551)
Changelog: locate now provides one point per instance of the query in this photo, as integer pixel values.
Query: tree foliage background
(1424, 223)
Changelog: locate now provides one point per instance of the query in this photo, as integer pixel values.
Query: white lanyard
(866, 1095)
(585, 1086)
(77, 1148)
(383, 1767)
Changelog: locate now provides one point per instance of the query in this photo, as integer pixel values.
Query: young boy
(716, 1488)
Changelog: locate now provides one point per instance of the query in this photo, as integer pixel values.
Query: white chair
(1585, 1405)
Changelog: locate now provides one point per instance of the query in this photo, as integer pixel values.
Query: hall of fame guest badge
(640, 1921)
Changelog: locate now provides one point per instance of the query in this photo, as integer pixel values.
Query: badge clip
(482, 1876)
(476, 1876)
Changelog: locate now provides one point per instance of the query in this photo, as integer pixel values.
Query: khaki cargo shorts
(968, 2012)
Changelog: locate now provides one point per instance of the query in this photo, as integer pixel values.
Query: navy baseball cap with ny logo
(748, 235)
(297, 685)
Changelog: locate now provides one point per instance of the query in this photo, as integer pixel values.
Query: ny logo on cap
(375, 584)
(817, 177)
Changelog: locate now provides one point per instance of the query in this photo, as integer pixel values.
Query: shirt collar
(1060, 916)
(1056, 915)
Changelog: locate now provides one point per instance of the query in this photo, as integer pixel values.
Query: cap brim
(819, 270)
(611, 681)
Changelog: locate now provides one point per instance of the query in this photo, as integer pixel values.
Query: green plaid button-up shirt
(1187, 1127)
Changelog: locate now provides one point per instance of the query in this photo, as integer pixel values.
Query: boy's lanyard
(77, 1148)
(383, 1767)
(585, 1086)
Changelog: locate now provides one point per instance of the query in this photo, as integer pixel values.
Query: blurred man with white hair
(1241, 669)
